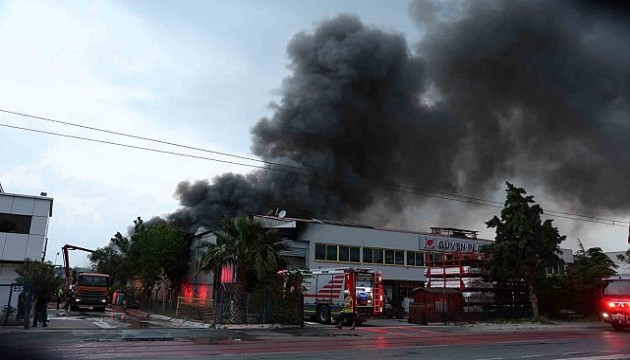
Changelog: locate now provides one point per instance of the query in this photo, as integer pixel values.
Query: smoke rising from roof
(522, 89)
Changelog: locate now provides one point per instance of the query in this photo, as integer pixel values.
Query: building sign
(441, 243)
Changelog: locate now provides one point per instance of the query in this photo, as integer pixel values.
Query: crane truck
(85, 290)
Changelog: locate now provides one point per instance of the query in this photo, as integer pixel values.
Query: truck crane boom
(88, 290)
(66, 261)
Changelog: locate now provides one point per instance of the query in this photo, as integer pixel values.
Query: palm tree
(245, 244)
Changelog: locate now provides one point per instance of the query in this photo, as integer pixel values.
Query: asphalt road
(114, 336)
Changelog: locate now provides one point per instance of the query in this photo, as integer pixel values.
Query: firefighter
(347, 313)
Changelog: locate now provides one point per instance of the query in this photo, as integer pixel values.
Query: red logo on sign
(429, 243)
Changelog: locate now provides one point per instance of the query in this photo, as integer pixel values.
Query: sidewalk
(146, 316)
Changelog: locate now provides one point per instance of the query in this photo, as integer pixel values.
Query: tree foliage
(524, 244)
(585, 275)
(41, 276)
(624, 257)
(109, 260)
(153, 250)
(247, 245)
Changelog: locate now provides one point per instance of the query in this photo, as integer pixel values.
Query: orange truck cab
(89, 291)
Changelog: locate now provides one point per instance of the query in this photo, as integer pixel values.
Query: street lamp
(56, 258)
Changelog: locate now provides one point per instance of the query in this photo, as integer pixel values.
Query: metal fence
(258, 306)
(16, 302)
(159, 301)
(195, 309)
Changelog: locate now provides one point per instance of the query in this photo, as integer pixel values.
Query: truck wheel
(323, 314)
(617, 326)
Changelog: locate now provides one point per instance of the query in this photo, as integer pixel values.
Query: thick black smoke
(543, 91)
(527, 89)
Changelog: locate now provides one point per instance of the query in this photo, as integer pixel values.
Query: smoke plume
(534, 90)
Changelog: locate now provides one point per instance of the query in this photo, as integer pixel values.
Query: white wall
(355, 236)
(18, 247)
(7, 273)
(390, 239)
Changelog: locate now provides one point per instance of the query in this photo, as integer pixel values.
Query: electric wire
(147, 149)
(472, 201)
(399, 188)
(149, 139)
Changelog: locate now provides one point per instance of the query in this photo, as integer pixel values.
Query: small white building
(23, 231)
(623, 267)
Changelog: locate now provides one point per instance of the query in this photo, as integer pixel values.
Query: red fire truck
(323, 297)
(615, 301)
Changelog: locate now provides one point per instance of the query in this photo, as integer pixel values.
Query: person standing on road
(347, 313)
(59, 297)
(41, 310)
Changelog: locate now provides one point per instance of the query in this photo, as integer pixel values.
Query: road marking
(603, 357)
(102, 324)
(492, 359)
(531, 356)
(573, 353)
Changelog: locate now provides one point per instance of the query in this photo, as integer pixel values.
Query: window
(389, 257)
(88, 280)
(320, 252)
(372, 255)
(331, 252)
(383, 256)
(355, 254)
(419, 258)
(555, 269)
(434, 257)
(341, 253)
(411, 258)
(415, 258)
(378, 256)
(344, 253)
(367, 255)
(11, 223)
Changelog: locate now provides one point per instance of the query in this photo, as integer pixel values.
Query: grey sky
(200, 73)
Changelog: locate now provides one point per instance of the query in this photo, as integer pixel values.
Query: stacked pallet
(466, 273)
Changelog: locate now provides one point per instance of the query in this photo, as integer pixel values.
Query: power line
(399, 188)
(489, 203)
(149, 139)
(147, 149)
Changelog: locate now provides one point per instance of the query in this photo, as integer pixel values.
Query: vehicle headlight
(103, 300)
(77, 300)
(605, 315)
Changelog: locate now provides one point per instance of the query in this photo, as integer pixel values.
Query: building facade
(23, 231)
(400, 255)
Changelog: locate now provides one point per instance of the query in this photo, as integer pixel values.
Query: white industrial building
(23, 231)
(400, 255)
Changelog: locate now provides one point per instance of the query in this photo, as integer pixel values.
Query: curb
(255, 326)
(181, 322)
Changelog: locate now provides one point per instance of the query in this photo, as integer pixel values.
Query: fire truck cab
(323, 297)
(615, 301)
